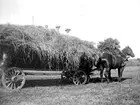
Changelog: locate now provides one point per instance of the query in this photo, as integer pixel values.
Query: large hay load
(39, 48)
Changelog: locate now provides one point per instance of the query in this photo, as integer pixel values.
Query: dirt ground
(41, 90)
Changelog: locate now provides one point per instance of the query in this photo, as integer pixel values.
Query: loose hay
(37, 47)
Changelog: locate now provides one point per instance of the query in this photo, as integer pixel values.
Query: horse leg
(107, 69)
(120, 71)
(101, 71)
(109, 74)
(106, 74)
(101, 74)
(88, 75)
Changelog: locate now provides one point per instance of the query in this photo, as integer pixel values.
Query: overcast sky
(92, 20)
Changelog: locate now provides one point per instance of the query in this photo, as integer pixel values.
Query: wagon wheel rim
(80, 78)
(13, 79)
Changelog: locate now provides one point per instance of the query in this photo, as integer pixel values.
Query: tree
(57, 27)
(138, 59)
(109, 44)
(46, 26)
(67, 30)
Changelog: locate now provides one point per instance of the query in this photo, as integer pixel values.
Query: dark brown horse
(114, 61)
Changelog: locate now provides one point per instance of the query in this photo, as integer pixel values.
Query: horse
(110, 61)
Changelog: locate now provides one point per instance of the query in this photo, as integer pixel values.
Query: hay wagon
(14, 78)
(37, 47)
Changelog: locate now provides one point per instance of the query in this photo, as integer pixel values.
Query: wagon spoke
(7, 79)
(7, 82)
(8, 85)
(12, 72)
(14, 86)
(76, 80)
(17, 72)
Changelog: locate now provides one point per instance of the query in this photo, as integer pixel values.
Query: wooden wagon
(37, 47)
(14, 78)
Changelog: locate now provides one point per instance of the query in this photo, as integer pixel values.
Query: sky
(91, 20)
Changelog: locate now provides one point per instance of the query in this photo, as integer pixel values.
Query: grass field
(53, 92)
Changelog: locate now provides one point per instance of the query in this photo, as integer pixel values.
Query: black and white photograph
(69, 52)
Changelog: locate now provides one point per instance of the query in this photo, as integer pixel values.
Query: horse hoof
(110, 78)
(108, 81)
(119, 80)
(102, 81)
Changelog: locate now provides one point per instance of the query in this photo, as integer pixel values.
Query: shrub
(133, 62)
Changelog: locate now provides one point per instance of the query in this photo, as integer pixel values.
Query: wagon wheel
(80, 77)
(13, 79)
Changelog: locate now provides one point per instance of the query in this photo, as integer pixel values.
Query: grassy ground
(53, 92)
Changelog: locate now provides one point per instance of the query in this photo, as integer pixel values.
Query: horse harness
(123, 63)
